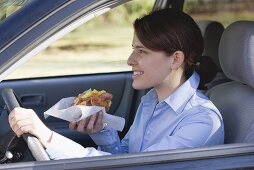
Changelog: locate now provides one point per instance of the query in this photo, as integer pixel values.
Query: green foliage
(125, 14)
(223, 11)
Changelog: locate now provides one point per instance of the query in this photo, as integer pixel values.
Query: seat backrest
(211, 32)
(234, 99)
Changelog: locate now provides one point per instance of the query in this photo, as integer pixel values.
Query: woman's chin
(139, 86)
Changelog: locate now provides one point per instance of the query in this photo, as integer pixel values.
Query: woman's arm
(57, 146)
(109, 141)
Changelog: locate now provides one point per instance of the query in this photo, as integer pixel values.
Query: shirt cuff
(107, 136)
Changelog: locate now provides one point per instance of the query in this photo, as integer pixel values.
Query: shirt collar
(150, 97)
(178, 99)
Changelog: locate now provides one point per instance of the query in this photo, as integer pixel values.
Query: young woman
(167, 46)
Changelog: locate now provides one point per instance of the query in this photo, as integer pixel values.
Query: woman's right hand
(89, 125)
(26, 121)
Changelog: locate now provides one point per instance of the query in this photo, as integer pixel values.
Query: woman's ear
(178, 59)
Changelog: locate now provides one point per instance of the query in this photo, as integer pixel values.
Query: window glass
(8, 7)
(224, 11)
(101, 45)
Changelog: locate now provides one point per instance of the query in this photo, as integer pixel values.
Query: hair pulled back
(172, 30)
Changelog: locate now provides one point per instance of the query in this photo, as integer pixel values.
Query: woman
(173, 114)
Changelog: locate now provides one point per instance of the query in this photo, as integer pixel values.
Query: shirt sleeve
(109, 141)
(64, 148)
(195, 131)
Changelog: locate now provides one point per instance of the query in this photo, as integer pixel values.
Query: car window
(224, 11)
(8, 7)
(101, 45)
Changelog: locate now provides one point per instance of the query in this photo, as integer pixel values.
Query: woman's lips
(137, 73)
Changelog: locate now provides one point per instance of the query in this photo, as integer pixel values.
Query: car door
(41, 92)
(83, 59)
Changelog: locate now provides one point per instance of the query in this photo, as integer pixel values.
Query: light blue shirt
(186, 118)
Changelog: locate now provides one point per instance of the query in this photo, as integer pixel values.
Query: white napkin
(66, 111)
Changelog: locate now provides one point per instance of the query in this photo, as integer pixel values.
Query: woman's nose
(131, 60)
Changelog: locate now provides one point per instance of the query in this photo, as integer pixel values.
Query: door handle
(32, 100)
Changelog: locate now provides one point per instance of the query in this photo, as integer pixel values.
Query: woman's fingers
(23, 126)
(14, 117)
(99, 122)
(73, 125)
(23, 129)
(17, 121)
(91, 124)
(81, 125)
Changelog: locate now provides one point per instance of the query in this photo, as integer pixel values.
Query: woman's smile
(137, 73)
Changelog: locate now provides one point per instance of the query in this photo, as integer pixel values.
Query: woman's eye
(141, 51)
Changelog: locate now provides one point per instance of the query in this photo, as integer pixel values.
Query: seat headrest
(236, 52)
(211, 32)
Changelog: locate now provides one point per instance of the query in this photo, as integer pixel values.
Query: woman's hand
(89, 125)
(26, 121)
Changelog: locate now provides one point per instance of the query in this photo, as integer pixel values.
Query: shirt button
(148, 132)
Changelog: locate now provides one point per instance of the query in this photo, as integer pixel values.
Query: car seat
(235, 99)
(211, 32)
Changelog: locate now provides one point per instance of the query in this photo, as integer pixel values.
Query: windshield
(8, 7)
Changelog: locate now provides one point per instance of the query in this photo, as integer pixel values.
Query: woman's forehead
(136, 42)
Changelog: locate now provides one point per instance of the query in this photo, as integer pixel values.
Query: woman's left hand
(89, 125)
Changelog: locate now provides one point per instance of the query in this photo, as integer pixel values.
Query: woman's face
(150, 68)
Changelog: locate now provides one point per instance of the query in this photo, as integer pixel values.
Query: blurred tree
(129, 11)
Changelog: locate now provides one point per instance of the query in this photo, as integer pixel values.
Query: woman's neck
(169, 86)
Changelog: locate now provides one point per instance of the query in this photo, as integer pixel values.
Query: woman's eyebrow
(138, 46)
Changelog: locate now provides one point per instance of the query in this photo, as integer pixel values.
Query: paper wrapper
(65, 110)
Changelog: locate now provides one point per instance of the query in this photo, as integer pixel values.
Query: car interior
(211, 32)
(233, 98)
(231, 90)
(231, 93)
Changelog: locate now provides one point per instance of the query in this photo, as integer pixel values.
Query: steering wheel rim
(33, 143)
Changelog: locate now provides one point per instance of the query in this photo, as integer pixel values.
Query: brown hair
(172, 30)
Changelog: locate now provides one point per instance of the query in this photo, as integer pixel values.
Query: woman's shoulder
(201, 104)
(202, 110)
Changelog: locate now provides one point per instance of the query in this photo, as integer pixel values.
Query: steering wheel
(33, 143)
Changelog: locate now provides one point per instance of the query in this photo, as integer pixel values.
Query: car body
(40, 23)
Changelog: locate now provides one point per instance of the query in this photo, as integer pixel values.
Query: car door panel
(41, 94)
